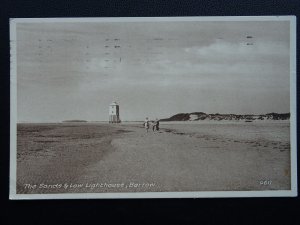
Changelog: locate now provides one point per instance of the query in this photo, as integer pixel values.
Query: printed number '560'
(265, 182)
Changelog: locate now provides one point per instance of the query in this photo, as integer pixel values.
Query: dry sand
(85, 157)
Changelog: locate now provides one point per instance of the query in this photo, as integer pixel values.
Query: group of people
(154, 124)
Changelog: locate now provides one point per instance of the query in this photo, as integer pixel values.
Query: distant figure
(146, 124)
(155, 125)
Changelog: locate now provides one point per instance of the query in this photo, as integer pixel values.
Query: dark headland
(74, 121)
(203, 116)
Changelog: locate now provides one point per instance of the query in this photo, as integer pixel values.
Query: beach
(183, 156)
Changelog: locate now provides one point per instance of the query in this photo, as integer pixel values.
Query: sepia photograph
(153, 107)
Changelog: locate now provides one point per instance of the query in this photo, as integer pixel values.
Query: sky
(74, 70)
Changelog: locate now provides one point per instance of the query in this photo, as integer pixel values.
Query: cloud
(234, 51)
(65, 68)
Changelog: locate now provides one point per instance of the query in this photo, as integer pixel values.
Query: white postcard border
(200, 194)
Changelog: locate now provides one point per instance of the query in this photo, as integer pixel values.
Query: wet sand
(86, 157)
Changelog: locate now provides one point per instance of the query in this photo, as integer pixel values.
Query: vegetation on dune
(203, 116)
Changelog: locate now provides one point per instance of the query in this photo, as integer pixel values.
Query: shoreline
(164, 122)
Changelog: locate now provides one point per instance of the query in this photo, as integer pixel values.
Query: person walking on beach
(155, 126)
(146, 124)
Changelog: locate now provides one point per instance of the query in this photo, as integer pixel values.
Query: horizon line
(107, 121)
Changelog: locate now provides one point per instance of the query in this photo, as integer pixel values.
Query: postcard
(153, 107)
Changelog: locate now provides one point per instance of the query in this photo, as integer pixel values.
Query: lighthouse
(114, 113)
